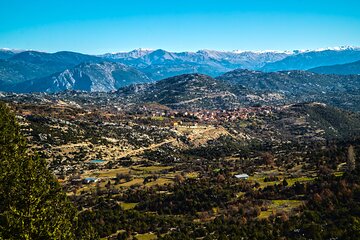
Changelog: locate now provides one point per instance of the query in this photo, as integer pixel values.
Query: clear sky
(99, 26)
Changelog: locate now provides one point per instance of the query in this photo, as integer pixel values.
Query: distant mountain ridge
(343, 69)
(311, 59)
(160, 64)
(6, 53)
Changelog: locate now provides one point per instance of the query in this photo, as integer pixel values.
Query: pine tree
(32, 203)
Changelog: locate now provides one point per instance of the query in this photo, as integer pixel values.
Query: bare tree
(351, 163)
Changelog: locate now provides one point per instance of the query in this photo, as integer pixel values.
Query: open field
(280, 206)
(128, 206)
(151, 169)
(145, 236)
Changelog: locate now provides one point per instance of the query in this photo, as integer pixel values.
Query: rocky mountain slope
(93, 77)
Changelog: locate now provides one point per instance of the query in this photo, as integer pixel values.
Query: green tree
(32, 203)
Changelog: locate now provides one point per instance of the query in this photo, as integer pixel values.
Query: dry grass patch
(151, 168)
(146, 236)
(108, 173)
(159, 181)
(128, 206)
(135, 181)
(278, 206)
(192, 175)
(338, 174)
(292, 181)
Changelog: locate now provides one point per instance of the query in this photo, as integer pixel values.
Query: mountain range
(159, 64)
(311, 59)
(33, 71)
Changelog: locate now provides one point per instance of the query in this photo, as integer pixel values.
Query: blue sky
(99, 26)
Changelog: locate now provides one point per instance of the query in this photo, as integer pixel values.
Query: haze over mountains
(33, 71)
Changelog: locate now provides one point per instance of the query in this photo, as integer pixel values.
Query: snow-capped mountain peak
(263, 51)
(339, 48)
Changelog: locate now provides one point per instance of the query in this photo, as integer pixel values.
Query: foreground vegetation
(170, 175)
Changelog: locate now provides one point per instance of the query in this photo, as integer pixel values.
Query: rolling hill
(185, 91)
(293, 82)
(244, 88)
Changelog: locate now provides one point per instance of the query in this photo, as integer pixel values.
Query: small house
(242, 176)
(91, 180)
